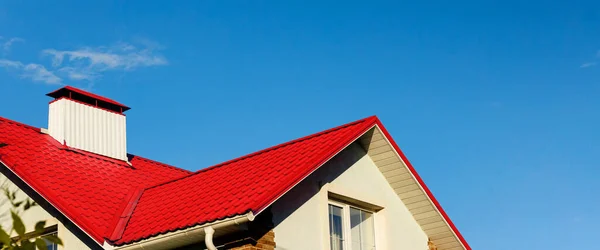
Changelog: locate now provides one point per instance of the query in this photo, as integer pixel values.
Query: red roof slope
(111, 200)
(89, 189)
(249, 183)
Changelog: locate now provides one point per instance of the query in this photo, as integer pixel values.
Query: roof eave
(374, 122)
(422, 185)
(182, 237)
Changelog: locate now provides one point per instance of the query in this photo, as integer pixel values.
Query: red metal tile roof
(89, 189)
(249, 183)
(111, 200)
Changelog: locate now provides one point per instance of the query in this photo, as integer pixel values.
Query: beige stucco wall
(301, 216)
(35, 214)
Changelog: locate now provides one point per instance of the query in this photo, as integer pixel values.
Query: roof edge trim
(351, 139)
(75, 222)
(61, 92)
(86, 104)
(369, 119)
(374, 122)
(422, 184)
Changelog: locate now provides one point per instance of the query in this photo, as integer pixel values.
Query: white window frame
(345, 222)
(51, 230)
(48, 243)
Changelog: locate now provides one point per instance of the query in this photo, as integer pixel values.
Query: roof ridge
(345, 142)
(287, 143)
(347, 134)
(267, 150)
(161, 163)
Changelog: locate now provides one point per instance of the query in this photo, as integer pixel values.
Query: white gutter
(171, 240)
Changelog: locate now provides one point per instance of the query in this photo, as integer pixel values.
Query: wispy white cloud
(33, 71)
(122, 56)
(7, 43)
(588, 64)
(39, 73)
(591, 63)
(78, 74)
(86, 63)
(10, 64)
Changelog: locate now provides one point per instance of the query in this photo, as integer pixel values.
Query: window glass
(336, 233)
(50, 245)
(362, 230)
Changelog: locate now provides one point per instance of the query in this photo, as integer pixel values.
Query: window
(335, 227)
(49, 231)
(49, 244)
(350, 227)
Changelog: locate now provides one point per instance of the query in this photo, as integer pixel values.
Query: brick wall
(266, 242)
(258, 236)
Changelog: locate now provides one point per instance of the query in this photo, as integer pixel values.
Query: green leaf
(18, 225)
(17, 204)
(27, 245)
(40, 225)
(53, 239)
(41, 244)
(27, 205)
(4, 237)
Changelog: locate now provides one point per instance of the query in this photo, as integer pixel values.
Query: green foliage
(23, 241)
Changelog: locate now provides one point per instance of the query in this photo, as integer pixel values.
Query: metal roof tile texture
(249, 183)
(95, 191)
(109, 198)
(89, 189)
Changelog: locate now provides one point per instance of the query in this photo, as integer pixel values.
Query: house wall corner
(266, 242)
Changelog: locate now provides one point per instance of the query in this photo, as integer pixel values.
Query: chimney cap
(89, 98)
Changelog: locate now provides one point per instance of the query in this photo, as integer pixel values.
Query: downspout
(158, 241)
(209, 232)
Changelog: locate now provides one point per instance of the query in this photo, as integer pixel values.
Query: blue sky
(494, 102)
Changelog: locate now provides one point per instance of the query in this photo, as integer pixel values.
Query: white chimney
(89, 122)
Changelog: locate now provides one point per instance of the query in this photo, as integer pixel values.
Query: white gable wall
(30, 217)
(33, 215)
(301, 216)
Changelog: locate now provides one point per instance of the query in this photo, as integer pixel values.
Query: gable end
(411, 189)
